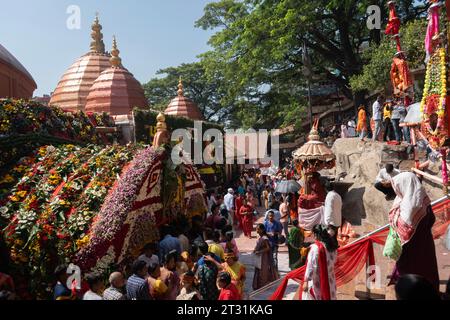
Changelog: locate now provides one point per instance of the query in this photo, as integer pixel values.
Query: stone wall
(360, 162)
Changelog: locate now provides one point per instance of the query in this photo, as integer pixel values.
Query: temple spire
(97, 44)
(115, 60)
(180, 88)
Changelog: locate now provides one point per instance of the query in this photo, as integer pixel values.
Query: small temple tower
(115, 91)
(73, 88)
(182, 106)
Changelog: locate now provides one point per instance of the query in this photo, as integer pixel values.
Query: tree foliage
(256, 64)
(378, 59)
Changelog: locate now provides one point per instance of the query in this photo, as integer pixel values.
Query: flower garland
(435, 87)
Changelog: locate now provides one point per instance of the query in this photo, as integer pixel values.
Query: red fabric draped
(323, 267)
(350, 261)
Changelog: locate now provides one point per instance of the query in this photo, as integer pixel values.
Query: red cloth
(229, 293)
(246, 214)
(324, 282)
(351, 259)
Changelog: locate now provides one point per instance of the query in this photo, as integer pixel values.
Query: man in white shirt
(228, 200)
(383, 181)
(148, 256)
(377, 114)
(333, 210)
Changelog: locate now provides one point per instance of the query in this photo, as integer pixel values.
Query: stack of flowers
(25, 125)
(53, 205)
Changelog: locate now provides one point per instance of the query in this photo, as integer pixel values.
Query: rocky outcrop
(360, 163)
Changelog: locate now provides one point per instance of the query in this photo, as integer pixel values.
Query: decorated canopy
(314, 155)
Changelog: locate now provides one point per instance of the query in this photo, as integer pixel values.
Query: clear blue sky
(151, 34)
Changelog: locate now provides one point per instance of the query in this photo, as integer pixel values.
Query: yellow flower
(83, 242)
(21, 194)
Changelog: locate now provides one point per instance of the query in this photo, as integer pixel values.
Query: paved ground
(354, 290)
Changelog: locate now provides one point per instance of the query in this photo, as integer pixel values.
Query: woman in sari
(296, 239)
(246, 213)
(234, 268)
(362, 122)
(320, 279)
(412, 218)
(267, 273)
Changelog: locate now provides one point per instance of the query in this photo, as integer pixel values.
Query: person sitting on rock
(383, 181)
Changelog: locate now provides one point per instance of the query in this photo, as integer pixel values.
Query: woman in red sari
(246, 214)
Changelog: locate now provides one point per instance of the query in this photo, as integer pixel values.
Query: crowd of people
(387, 116)
(200, 260)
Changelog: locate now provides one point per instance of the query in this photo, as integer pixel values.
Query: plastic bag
(393, 247)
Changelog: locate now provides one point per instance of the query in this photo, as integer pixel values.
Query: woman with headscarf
(412, 218)
(320, 279)
(362, 122)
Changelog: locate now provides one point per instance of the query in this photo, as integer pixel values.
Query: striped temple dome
(181, 106)
(73, 88)
(115, 91)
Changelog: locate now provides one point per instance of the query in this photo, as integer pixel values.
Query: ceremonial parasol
(288, 186)
(314, 155)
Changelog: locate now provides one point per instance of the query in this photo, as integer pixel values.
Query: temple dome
(73, 88)
(116, 91)
(15, 80)
(182, 106)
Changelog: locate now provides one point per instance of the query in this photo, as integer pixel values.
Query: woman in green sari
(296, 240)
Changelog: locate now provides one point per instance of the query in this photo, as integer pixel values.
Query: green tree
(258, 50)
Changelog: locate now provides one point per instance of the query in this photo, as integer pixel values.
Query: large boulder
(360, 163)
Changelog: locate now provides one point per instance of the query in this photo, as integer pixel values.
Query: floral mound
(94, 206)
(25, 125)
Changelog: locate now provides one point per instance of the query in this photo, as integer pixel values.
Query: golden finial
(162, 135)
(180, 88)
(161, 122)
(115, 60)
(97, 44)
